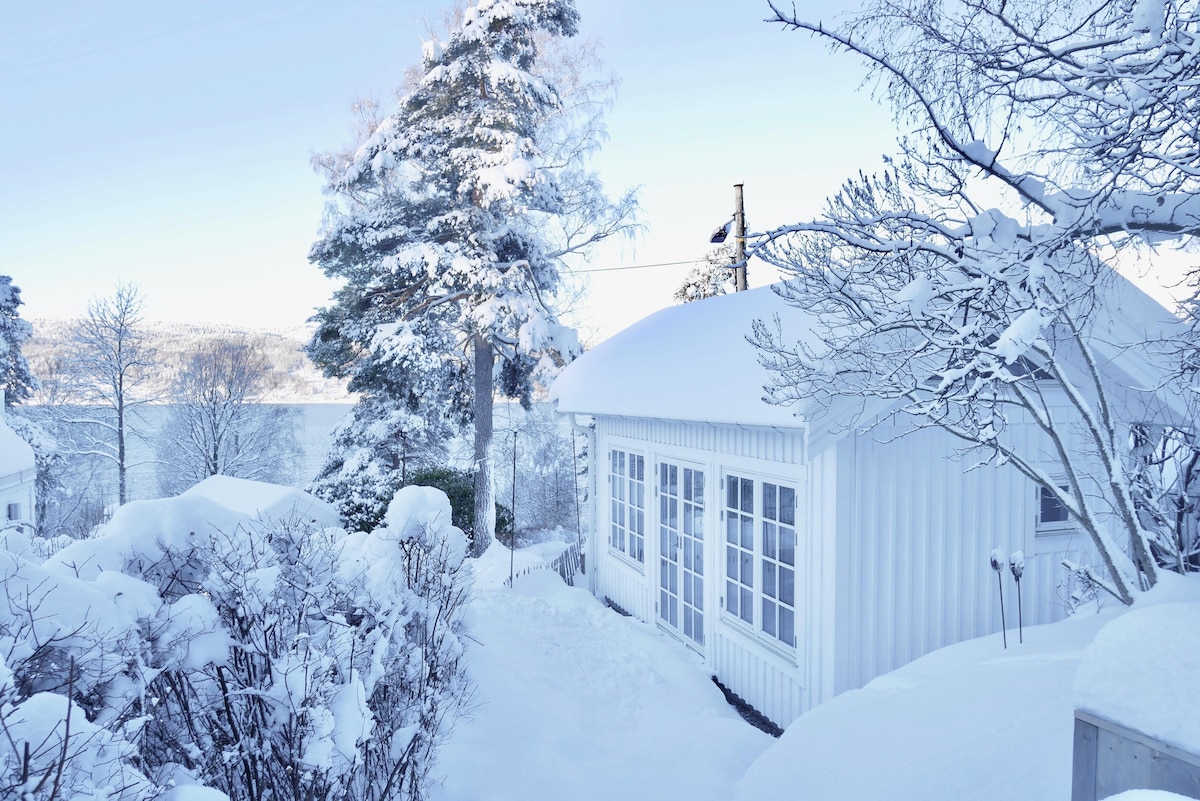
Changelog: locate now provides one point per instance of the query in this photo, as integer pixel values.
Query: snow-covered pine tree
(713, 276)
(440, 232)
(18, 383)
(375, 448)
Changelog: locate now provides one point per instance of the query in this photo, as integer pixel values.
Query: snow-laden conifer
(713, 276)
(447, 232)
(15, 379)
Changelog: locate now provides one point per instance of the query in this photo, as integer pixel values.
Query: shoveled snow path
(576, 702)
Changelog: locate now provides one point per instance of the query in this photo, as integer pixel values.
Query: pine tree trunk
(485, 502)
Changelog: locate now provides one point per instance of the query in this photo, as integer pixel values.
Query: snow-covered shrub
(344, 667)
(459, 486)
(375, 448)
(1078, 589)
(72, 664)
(186, 644)
(50, 750)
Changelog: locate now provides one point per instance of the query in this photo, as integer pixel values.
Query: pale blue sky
(168, 144)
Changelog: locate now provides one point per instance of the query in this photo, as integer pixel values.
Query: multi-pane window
(627, 484)
(739, 547)
(779, 562)
(760, 555)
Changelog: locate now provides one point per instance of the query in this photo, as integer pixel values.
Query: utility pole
(739, 241)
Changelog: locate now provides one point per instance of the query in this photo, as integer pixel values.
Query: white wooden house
(799, 556)
(17, 476)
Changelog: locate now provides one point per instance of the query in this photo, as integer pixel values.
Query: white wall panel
(768, 444)
(768, 684)
(625, 586)
(916, 531)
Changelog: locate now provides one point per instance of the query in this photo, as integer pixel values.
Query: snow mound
(258, 499)
(1140, 672)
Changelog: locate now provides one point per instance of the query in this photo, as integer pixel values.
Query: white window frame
(761, 528)
(777, 526)
(738, 530)
(627, 504)
(1051, 528)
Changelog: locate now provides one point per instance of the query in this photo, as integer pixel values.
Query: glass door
(681, 550)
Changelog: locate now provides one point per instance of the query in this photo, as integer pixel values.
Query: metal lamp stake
(1016, 563)
(512, 527)
(998, 566)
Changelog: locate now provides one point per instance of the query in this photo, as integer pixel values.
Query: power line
(637, 266)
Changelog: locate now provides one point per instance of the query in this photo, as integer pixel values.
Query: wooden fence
(566, 564)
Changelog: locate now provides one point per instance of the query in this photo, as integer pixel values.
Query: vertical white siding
(769, 684)
(824, 591)
(915, 533)
(625, 586)
(707, 439)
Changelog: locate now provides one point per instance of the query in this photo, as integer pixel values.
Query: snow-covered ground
(576, 702)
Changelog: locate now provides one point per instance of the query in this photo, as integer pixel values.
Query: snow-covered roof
(16, 455)
(694, 363)
(690, 362)
(1130, 327)
(258, 499)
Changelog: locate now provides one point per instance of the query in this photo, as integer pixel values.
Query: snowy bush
(71, 656)
(1077, 589)
(344, 668)
(189, 645)
(374, 450)
(459, 486)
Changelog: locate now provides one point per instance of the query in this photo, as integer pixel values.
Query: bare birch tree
(968, 283)
(219, 423)
(108, 365)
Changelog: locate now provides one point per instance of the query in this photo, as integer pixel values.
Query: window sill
(625, 559)
(1058, 540)
(771, 645)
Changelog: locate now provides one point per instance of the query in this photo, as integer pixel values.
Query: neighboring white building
(798, 555)
(17, 476)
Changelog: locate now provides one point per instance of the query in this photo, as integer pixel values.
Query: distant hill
(299, 380)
